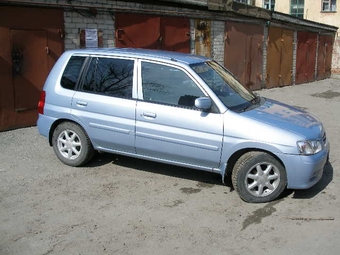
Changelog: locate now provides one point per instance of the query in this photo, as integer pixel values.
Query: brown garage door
(325, 56)
(152, 32)
(29, 48)
(243, 52)
(279, 57)
(305, 57)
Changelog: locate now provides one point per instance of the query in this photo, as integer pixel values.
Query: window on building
(329, 5)
(250, 2)
(269, 4)
(297, 8)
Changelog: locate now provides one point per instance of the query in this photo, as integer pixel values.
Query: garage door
(152, 32)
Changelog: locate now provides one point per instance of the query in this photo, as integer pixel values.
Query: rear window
(71, 72)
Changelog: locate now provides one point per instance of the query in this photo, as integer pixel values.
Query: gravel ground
(120, 205)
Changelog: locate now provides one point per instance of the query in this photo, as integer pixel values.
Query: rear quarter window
(72, 72)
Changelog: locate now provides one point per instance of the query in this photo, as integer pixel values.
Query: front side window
(329, 5)
(71, 72)
(168, 85)
(228, 89)
(297, 8)
(109, 76)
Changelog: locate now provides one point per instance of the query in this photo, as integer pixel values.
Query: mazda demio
(179, 109)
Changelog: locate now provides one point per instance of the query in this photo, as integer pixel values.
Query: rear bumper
(44, 124)
(305, 171)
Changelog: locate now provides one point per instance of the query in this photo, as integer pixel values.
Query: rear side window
(109, 76)
(71, 72)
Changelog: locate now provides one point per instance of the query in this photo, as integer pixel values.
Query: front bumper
(304, 171)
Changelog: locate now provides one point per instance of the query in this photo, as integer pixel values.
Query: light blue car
(179, 109)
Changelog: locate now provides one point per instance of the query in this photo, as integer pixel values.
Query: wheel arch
(57, 123)
(237, 154)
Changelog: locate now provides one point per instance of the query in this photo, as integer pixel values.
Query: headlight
(309, 147)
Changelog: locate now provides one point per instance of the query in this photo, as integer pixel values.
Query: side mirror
(203, 103)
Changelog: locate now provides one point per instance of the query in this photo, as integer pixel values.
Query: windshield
(228, 89)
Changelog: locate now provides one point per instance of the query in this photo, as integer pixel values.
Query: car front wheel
(71, 144)
(258, 177)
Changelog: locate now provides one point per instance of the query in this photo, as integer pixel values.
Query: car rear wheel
(258, 177)
(71, 144)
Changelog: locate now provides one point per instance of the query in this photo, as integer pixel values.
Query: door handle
(81, 103)
(149, 115)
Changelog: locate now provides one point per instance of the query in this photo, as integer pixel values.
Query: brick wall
(192, 36)
(294, 57)
(217, 35)
(74, 22)
(264, 63)
(336, 56)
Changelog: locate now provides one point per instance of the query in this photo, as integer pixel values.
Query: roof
(144, 53)
(250, 11)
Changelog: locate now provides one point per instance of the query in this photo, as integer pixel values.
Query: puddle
(327, 94)
(258, 215)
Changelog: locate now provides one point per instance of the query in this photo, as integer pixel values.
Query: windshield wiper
(249, 104)
(256, 99)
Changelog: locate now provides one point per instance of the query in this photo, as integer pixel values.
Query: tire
(71, 144)
(258, 177)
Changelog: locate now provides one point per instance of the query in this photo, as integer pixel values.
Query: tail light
(41, 103)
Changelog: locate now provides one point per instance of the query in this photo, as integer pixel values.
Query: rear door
(168, 126)
(104, 103)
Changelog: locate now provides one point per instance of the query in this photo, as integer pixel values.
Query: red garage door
(152, 32)
(30, 45)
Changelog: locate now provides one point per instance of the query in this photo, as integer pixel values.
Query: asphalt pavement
(120, 205)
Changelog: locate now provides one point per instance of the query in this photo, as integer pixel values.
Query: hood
(287, 117)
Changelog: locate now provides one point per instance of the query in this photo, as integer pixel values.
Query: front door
(168, 126)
